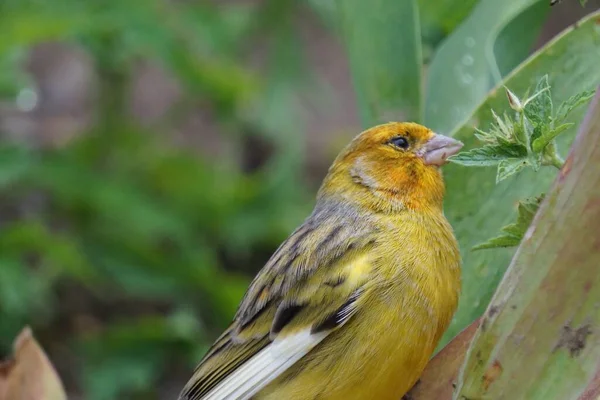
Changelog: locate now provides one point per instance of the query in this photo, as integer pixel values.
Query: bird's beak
(439, 148)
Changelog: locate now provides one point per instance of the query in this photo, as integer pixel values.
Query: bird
(354, 302)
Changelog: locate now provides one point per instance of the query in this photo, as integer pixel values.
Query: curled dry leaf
(437, 381)
(29, 375)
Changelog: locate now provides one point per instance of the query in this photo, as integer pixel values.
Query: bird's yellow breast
(380, 353)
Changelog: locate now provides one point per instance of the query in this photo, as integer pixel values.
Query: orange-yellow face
(398, 161)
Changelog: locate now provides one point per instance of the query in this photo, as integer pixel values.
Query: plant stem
(551, 157)
(557, 161)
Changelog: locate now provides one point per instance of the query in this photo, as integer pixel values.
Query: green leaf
(498, 241)
(538, 108)
(13, 78)
(513, 233)
(509, 167)
(479, 157)
(573, 102)
(15, 163)
(477, 207)
(538, 339)
(58, 252)
(28, 24)
(383, 40)
(546, 137)
(444, 15)
(464, 67)
(326, 10)
(489, 155)
(518, 38)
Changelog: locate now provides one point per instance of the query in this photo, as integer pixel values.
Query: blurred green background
(153, 154)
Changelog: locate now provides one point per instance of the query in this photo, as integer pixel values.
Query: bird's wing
(310, 287)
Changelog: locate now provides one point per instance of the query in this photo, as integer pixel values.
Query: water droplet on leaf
(467, 59)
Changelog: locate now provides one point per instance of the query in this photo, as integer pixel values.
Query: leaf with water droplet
(467, 59)
(452, 82)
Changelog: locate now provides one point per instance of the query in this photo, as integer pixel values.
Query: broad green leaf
(14, 163)
(538, 108)
(326, 9)
(383, 40)
(540, 337)
(117, 35)
(27, 25)
(23, 26)
(546, 137)
(13, 78)
(476, 207)
(518, 38)
(499, 241)
(19, 291)
(526, 211)
(513, 233)
(444, 15)
(119, 354)
(570, 104)
(58, 252)
(509, 167)
(489, 155)
(464, 67)
(438, 17)
(486, 156)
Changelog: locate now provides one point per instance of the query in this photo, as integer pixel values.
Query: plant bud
(513, 100)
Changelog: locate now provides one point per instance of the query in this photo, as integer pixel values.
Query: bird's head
(392, 166)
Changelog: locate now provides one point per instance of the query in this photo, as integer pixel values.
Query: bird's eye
(400, 142)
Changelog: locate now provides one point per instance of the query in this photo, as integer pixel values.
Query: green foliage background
(126, 253)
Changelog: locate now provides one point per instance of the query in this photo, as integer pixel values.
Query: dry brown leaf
(29, 375)
(438, 378)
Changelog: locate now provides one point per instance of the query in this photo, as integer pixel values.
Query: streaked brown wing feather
(302, 269)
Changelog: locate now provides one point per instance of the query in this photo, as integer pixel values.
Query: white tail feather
(265, 366)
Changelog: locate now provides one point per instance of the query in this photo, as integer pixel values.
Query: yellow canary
(353, 303)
